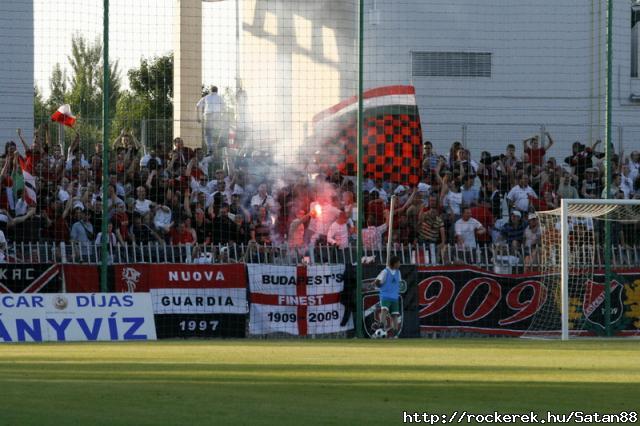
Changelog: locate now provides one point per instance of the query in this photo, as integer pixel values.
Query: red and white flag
(29, 181)
(63, 115)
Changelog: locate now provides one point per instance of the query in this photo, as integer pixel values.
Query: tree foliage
(149, 101)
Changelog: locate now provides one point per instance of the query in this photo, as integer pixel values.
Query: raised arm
(21, 137)
(187, 203)
(551, 142)
(408, 202)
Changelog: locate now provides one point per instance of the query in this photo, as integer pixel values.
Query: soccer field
(310, 382)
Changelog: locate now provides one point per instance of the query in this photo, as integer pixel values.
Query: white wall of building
(16, 69)
(548, 67)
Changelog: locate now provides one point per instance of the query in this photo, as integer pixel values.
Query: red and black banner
(30, 278)
(467, 299)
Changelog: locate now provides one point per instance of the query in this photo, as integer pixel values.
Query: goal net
(572, 255)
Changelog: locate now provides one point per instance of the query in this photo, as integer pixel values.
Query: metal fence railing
(498, 257)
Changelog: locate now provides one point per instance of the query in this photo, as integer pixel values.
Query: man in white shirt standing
(519, 195)
(466, 229)
(210, 109)
(263, 199)
(338, 233)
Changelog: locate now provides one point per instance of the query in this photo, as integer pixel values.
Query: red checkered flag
(392, 136)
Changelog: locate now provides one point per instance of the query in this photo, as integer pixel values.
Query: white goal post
(592, 208)
(574, 231)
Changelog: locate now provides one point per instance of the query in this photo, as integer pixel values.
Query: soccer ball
(379, 334)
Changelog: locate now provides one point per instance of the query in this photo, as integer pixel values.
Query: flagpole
(105, 149)
(607, 170)
(360, 188)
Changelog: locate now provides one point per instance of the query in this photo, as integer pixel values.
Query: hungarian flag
(29, 181)
(392, 136)
(63, 116)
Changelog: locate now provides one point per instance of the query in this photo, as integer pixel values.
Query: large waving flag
(392, 136)
(63, 115)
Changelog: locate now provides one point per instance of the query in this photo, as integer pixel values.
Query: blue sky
(138, 28)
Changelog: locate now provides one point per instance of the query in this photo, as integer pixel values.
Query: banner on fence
(30, 278)
(83, 278)
(191, 300)
(297, 300)
(76, 317)
(407, 300)
(467, 299)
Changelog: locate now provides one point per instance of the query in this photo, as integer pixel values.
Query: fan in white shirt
(466, 230)
(142, 206)
(338, 233)
(519, 194)
(263, 199)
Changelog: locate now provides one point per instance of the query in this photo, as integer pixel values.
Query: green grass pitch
(341, 382)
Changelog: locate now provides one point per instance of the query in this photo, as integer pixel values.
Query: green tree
(149, 100)
(57, 88)
(40, 110)
(85, 88)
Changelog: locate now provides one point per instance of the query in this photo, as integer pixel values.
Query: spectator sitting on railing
(513, 231)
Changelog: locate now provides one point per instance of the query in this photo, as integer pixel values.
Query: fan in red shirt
(482, 213)
(182, 234)
(535, 151)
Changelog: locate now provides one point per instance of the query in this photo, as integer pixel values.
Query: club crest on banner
(372, 309)
(131, 276)
(593, 305)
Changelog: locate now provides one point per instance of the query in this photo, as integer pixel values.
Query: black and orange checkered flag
(392, 136)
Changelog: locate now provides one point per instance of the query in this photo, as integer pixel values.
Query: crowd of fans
(177, 197)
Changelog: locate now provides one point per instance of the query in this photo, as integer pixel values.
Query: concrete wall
(16, 69)
(297, 58)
